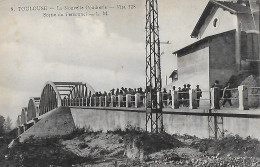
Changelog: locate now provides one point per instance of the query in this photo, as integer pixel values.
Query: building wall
(193, 69)
(222, 63)
(226, 22)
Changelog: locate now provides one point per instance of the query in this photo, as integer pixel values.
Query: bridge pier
(175, 100)
(243, 97)
(106, 101)
(192, 100)
(137, 100)
(113, 101)
(215, 98)
(128, 100)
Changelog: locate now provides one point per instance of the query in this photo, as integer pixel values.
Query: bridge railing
(132, 101)
(254, 96)
(183, 99)
(202, 98)
(243, 97)
(238, 95)
(140, 100)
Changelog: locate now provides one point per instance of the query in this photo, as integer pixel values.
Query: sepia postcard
(129, 83)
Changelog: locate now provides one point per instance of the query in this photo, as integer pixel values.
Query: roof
(233, 8)
(202, 41)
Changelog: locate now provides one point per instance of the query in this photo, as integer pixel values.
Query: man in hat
(199, 95)
(188, 95)
(112, 91)
(180, 96)
(188, 86)
(185, 95)
(216, 84)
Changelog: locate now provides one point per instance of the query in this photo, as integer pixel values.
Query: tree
(8, 124)
(2, 121)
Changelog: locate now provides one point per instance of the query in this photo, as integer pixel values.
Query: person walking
(199, 95)
(227, 95)
(169, 97)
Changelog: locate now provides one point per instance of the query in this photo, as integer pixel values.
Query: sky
(105, 51)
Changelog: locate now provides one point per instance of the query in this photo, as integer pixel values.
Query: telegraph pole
(154, 116)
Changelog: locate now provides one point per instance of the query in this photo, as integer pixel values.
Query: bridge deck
(231, 112)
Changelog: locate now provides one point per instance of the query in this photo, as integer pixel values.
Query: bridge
(80, 95)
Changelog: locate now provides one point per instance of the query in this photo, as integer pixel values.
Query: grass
(231, 143)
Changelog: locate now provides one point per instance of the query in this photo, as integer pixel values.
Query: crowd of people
(122, 91)
(224, 93)
(183, 94)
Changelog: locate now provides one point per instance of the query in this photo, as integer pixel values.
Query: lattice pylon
(153, 69)
(215, 126)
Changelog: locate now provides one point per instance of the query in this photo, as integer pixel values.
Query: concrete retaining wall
(64, 120)
(193, 125)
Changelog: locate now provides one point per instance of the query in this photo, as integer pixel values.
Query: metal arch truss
(153, 69)
(33, 108)
(48, 100)
(72, 90)
(56, 94)
(215, 125)
(74, 93)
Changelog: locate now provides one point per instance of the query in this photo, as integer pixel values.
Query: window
(215, 22)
